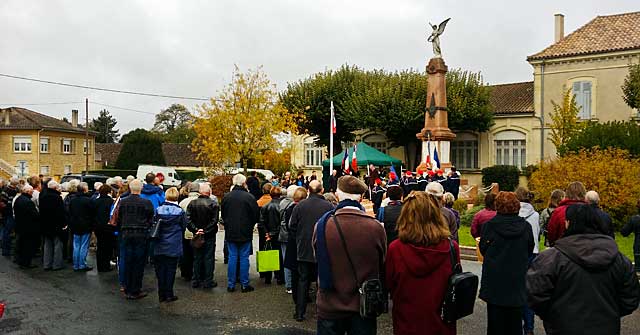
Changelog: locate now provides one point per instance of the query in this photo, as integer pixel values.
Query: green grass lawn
(624, 243)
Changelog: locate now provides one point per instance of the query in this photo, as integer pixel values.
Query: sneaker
(247, 289)
(231, 289)
(289, 291)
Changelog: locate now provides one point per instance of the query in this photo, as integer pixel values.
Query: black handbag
(373, 295)
(462, 290)
(154, 231)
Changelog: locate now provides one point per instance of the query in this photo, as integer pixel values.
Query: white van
(168, 175)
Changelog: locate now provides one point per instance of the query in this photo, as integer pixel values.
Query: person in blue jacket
(152, 192)
(171, 220)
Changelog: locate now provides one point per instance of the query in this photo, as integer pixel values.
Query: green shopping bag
(268, 260)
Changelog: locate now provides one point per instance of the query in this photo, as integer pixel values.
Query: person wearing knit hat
(436, 190)
(338, 300)
(506, 244)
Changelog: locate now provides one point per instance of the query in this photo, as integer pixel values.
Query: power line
(43, 103)
(103, 89)
(123, 108)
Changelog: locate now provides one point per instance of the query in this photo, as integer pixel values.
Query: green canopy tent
(366, 155)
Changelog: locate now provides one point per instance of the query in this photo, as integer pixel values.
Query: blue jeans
(135, 250)
(204, 262)
(528, 316)
(80, 250)
(238, 252)
(9, 225)
(287, 272)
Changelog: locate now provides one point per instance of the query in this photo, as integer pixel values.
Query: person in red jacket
(574, 194)
(419, 266)
(484, 215)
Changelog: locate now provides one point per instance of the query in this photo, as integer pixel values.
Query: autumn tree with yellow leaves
(241, 121)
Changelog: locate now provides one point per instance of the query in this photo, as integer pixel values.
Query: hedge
(115, 172)
(507, 176)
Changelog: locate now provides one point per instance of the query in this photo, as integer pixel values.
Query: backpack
(460, 297)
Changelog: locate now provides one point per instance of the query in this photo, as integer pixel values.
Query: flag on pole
(436, 159)
(345, 162)
(354, 160)
(333, 120)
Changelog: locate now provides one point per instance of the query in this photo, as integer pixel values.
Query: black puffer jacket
(83, 214)
(240, 214)
(582, 286)
(506, 244)
(203, 213)
(52, 212)
(270, 218)
(103, 210)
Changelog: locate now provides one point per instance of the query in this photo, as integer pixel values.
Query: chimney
(74, 118)
(7, 120)
(559, 31)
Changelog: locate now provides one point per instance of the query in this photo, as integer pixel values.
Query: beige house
(32, 143)
(591, 61)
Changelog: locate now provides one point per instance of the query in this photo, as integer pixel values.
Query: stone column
(436, 123)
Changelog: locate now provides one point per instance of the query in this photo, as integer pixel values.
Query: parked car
(168, 175)
(90, 179)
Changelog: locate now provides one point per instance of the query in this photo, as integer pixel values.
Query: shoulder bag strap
(346, 250)
(455, 266)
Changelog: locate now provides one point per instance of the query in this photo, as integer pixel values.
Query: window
(45, 170)
(378, 142)
(44, 144)
(22, 144)
(582, 91)
(84, 147)
(464, 151)
(23, 168)
(511, 149)
(67, 169)
(313, 155)
(66, 146)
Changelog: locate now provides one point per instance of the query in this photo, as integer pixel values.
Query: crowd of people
(581, 285)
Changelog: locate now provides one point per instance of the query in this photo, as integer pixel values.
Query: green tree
(140, 146)
(631, 87)
(175, 124)
(241, 122)
(564, 120)
(104, 126)
(622, 135)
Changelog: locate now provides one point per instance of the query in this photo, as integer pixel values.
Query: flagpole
(331, 140)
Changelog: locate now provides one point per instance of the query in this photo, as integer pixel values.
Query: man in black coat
(240, 214)
(27, 227)
(53, 226)
(593, 199)
(303, 220)
(83, 217)
(333, 181)
(202, 219)
(270, 219)
(253, 184)
(583, 285)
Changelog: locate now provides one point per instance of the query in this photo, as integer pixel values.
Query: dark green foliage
(529, 170)
(113, 172)
(631, 87)
(190, 175)
(617, 134)
(393, 102)
(140, 147)
(104, 126)
(507, 176)
(467, 216)
(174, 124)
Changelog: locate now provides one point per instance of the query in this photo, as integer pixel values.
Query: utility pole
(86, 136)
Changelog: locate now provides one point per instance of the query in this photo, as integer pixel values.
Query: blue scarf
(325, 275)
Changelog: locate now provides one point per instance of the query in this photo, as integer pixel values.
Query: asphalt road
(65, 302)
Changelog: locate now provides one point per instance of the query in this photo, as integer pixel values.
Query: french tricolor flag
(354, 160)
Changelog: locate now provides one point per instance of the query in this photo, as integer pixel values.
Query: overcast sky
(189, 48)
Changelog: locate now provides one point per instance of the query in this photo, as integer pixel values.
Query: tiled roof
(603, 34)
(108, 153)
(512, 98)
(175, 154)
(179, 154)
(22, 118)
